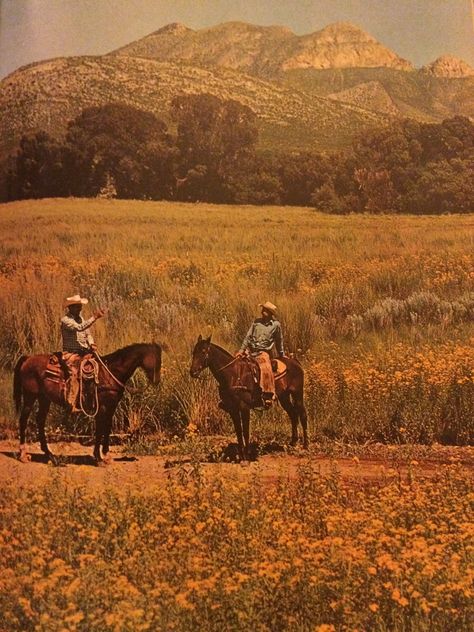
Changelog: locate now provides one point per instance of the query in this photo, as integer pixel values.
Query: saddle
(241, 381)
(78, 379)
(278, 367)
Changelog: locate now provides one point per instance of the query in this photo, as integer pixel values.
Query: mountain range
(315, 91)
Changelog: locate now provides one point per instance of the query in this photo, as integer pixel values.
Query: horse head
(151, 363)
(200, 356)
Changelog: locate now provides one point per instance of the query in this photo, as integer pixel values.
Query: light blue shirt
(263, 336)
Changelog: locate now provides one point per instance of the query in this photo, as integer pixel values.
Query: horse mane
(119, 353)
(227, 353)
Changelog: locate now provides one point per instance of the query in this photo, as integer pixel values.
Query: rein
(228, 364)
(131, 389)
(109, 371)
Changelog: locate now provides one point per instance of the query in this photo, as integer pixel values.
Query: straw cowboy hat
(76, 300)
(269, 307)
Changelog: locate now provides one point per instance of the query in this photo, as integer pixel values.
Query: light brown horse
(30, 385)
(239, 393)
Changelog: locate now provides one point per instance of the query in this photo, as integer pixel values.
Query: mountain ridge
(265, 49)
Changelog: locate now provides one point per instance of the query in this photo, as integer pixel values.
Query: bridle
(206, 360)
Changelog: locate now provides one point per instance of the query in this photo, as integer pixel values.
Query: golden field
(379, 309)
(200, 553)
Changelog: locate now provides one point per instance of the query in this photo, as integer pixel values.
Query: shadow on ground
(69, 459)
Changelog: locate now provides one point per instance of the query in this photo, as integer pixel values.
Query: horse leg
(236, 418)
(301, 412)
(43, 410)
(245, 417)
(290, 409)
(106, 436)
(28, 402)
(99, 433)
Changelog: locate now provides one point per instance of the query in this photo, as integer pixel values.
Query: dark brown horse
(29, 385)
(239, 393)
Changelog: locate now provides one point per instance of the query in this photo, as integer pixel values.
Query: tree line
(211, 155)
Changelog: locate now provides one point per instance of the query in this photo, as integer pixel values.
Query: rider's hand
(94, 347)
(100, 312)
(239, 354)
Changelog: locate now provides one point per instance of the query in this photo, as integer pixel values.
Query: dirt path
(125, 472)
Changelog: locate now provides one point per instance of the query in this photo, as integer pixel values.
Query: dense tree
(406, 166)
(301, 174)
(409, 167)
(37, 169)
(123, 143)
(213, 137)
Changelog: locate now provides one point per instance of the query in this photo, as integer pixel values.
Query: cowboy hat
(76, 300)
(269, 307)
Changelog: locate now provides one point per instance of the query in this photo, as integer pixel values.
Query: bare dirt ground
(127, 472)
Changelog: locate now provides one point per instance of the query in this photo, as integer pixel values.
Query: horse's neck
(218, 359)
(123, 368)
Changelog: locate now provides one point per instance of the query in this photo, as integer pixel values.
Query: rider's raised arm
(72, 324)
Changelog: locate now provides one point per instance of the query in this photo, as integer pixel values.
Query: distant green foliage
(108, 145)
(213, 137)
(404, 167)
(416, 167)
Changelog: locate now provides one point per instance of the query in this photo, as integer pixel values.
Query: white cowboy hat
(76, 300)
(269, 307)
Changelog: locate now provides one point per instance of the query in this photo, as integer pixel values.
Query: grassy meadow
(378, 308)
(380, 312)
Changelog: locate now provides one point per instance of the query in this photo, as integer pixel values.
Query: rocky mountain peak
(175, 28)
(342, 45)
(449, 66)
(343, 32)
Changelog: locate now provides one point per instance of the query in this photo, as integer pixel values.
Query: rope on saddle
(89, 372)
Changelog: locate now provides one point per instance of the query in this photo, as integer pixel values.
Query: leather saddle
(278, 367)
(84, 396)
(246, 379)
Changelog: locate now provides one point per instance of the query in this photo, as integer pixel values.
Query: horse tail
(17, 389)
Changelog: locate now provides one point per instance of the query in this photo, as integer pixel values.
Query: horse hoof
(24, 457)
(100, 463)
(107, 458)
(306, 446)
(53, 459)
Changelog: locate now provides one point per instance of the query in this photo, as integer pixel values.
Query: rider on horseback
(77, 341)
(264, 339)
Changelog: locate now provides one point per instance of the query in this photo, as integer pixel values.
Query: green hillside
(49, 94)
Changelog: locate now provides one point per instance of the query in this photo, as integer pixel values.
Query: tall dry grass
(360, 285)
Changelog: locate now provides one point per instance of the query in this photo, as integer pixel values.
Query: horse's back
(35, 364)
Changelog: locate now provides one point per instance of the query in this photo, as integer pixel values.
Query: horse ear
(200, 338)
(208, 339)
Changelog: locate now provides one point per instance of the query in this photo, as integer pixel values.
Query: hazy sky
(419, 30)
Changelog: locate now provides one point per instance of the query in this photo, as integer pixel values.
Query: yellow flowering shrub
(202, 553)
